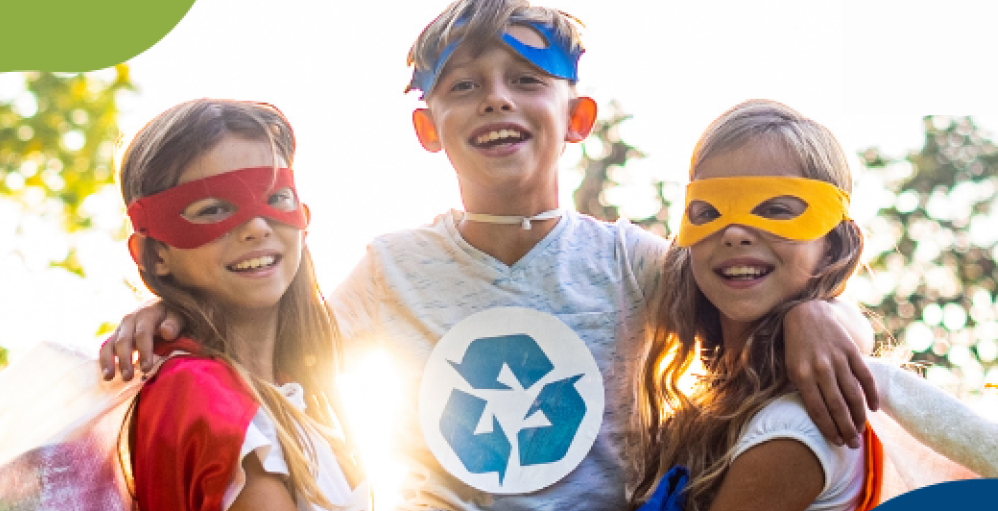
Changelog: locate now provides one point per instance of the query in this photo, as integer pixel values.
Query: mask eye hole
(700, 212)
(283, 199)
(527, 35)
(209, 210)
(785, 207)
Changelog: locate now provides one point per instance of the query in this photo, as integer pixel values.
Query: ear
(135, 244)
(426, 131)
(136, 247)
(582, 119)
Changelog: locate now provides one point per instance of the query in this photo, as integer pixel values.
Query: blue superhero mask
(558, 59)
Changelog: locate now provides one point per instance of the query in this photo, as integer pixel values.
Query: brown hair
(481, 21)
(699, 430)
(307, 349)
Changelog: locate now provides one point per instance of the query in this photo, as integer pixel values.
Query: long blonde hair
(308, 347)
(700, 429)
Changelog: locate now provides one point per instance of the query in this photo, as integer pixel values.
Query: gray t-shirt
(413, 286)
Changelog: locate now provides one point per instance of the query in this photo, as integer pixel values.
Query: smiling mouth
(744, 272)
(499, 137)
(255, 263)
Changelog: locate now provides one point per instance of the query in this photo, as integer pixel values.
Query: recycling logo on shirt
(511, 400)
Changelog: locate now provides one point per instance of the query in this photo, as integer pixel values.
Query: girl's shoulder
(786, 417)
(192, 383)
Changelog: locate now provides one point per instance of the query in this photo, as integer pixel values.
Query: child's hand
(824, 362)
(136, 332)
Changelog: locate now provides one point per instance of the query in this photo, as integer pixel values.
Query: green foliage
(3, 357)
(936, 290)
(596, 170)
(56, 155)
(57, 139)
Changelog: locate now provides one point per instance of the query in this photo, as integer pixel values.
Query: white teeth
(256, 262)
(497, 135)
(743, 271)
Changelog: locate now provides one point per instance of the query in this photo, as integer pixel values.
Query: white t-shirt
(261, 440)
(844, 468)
(413, 286)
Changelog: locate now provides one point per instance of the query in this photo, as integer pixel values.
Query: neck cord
(524, 221)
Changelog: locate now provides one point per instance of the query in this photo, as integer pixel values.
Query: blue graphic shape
(970, 494)
(481, 453)
(485, 357)
(564, 408)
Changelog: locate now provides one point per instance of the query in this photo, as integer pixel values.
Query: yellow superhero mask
(735, 200)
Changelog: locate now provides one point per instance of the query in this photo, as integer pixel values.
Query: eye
(528, 80)
(462, 86)
(781, 208)
(208, 211)
(701, 212)
(283, 199)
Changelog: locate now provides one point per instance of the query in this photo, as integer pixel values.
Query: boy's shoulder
(622, 231)
(435, 228)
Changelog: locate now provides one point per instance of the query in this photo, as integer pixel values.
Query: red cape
(192, 420)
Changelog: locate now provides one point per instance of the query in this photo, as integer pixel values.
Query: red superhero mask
(161, 216)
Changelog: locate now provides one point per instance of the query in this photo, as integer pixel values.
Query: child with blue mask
(515, 325)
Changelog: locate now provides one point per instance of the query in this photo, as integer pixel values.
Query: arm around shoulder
(823, 360)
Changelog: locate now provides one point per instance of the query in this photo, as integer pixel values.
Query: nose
(496, 99)
(256, 228)
(737, 235)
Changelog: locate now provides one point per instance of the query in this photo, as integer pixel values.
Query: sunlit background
(870, 71)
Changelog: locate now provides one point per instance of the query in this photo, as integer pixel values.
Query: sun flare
(371, 393)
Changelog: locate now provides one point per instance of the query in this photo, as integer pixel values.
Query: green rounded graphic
(82, 35)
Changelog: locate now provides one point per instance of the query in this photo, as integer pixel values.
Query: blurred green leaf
(57, 139)
(937, 288)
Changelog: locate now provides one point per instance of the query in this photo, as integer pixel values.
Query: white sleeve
(261, 439)
(786, 418)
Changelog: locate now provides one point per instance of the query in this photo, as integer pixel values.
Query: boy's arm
(823, 343)
(135, 333)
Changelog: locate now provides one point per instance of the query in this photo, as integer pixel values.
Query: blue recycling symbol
(559, 401)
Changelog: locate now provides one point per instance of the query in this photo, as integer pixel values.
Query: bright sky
(867, 70)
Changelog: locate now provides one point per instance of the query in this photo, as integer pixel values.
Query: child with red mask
(234, 416)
